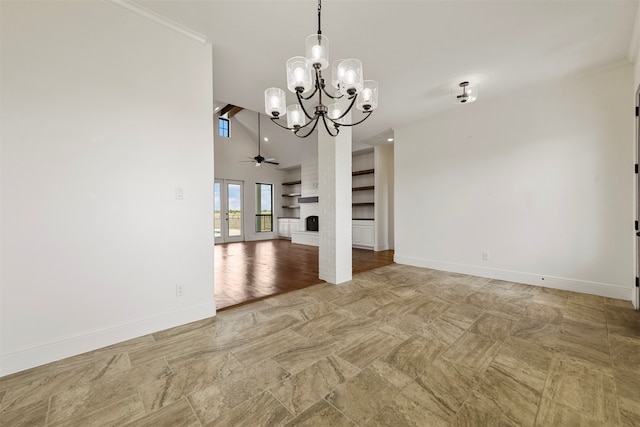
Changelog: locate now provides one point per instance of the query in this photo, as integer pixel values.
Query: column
(334, 203)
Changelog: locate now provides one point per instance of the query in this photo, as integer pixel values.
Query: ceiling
(417, 50)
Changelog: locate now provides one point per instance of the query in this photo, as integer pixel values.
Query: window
(223, 127)
(264, 208)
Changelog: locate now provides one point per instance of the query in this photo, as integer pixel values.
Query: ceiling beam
(231, 109)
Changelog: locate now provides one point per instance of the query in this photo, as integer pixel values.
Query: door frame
(224, 210)
(636, 289)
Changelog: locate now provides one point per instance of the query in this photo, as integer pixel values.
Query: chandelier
(304, 74)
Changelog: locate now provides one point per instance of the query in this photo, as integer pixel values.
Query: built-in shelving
(312, 199)
(363, 203)
(362, 172)
(291, 192)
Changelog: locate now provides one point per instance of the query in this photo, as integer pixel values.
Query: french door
(228, 211)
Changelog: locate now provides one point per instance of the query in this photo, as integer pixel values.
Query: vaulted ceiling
(417, 50)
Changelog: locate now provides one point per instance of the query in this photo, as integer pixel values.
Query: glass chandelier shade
(350, 76)
(275, 101)
(318, 51)
(295, 116)
(298, 74)
(304, 75)
(369, 96)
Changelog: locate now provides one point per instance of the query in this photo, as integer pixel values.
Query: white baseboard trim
(563, 283)
(384, 247)
(310, 238)
(71, 346)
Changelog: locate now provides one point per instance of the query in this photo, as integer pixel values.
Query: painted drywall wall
(104, 115)
(230, 156)
(540, 181)
(384, 209)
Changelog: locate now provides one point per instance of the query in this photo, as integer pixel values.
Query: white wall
(104, 114)
(228, 155)
(384, 209)
(541, 180)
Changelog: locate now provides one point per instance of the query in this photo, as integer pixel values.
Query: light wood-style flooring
(248, 271)
(396, 346)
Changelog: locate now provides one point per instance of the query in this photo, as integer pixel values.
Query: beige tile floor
(397, 346)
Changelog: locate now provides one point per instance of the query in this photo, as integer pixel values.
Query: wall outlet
(179, 290)
(485, 256)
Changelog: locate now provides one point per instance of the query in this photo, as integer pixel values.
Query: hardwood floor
(249, 271)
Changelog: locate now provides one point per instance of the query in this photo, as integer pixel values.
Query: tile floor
(397, 346)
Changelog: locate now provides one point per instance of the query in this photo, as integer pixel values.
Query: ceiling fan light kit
(304, 74)
(464, 93)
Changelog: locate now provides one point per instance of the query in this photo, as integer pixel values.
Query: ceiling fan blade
(271, 163)
(246, 161)
(270, 160)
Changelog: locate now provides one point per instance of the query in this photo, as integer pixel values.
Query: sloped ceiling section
(416, 50)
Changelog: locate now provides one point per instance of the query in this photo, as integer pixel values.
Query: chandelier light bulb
(350, 77)
(335, 111)
(366, 95)
(316, 52)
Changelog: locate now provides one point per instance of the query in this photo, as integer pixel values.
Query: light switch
(179, 193)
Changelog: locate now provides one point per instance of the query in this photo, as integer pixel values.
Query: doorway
(228, 211)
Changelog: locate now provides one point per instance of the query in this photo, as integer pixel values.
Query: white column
(334, 202)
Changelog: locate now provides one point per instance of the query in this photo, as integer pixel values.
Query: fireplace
(311, 223)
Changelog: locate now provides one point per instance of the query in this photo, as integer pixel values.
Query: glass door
(218, 217)
(227, 211)
(234, 212)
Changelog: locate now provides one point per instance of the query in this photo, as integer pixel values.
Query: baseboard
(310, 238)
(566, 284)
(72, 346)
(378, 248)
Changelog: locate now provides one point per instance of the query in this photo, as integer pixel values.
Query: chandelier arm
(302, 106)
(331, 96)
(368, 113)
(326, 126)
(315, 123)
(273, 119)
(310, 96)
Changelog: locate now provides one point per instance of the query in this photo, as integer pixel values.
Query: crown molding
(159, 19)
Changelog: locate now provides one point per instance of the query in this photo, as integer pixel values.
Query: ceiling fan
(259, 159)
